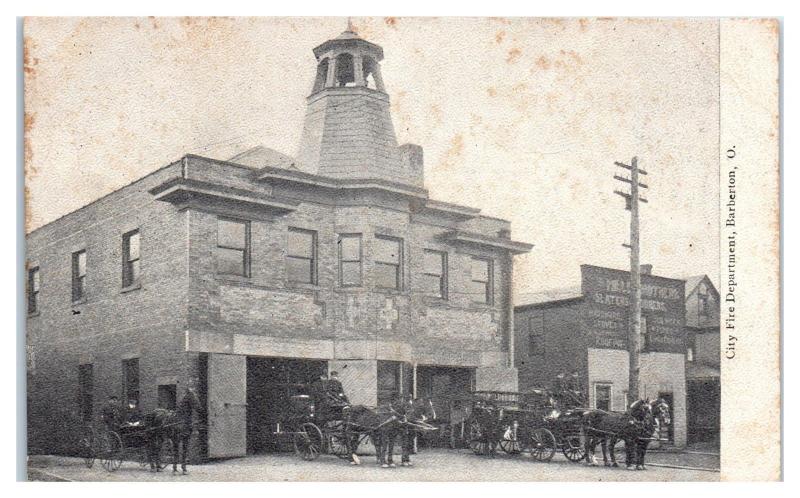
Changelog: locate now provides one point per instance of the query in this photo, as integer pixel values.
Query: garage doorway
(270, 383)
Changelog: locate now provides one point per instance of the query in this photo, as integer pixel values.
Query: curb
(682, 467)
(32, 472)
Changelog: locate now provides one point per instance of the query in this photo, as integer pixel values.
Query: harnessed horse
(635, 427)
(384, 425)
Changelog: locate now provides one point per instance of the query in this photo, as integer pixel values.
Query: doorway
(270, 383)
(670, 399)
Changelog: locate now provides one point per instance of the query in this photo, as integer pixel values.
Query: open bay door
(227, 405)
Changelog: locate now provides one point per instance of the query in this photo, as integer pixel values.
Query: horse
(639, 437)
(606, 428)
(413, 413)
(174, 425)
(384, 424)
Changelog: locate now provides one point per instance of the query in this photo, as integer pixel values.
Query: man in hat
(111, 413)
(184, 414)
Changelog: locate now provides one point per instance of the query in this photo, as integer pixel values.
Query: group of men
(114, 414)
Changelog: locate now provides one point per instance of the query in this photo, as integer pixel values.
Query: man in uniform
(184, 414)
(335, 388)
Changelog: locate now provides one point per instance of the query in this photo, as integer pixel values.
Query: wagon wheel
(110, 451)
(88, 446)
(572, 448)
(542, 444)
(308, 442)
(478, 439)
(510, 443)
(165, 453)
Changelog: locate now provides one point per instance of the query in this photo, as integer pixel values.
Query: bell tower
(348, 131)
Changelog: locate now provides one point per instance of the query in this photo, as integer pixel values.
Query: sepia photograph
(400, 249)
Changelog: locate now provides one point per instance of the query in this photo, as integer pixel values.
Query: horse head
(422, 409)
(640, 409)
(660, 410)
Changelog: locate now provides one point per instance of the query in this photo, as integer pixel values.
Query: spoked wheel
(542, 444)
(476, 438)
(88, 446)
(110, 451)
(572, 448)
(308, 442)
(510, 443)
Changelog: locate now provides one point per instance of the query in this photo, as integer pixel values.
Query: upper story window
(689, 354)
(388, 262)
(434, 275)
(130, 258)
(233, 247)
(78, 276)
(350, 260)
(481, 281)
(301, 256)
(33, 290)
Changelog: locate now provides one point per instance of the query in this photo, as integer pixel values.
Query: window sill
(131, 288)
(80, 301)
(391, 292)
(234, 278)
(302, 286)
(34, 314)
(435, 301)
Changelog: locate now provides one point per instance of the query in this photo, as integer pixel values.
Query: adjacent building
(251, 275)
(702, 360)
(584, 330)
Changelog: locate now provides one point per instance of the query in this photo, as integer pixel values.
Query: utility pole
(632, 200)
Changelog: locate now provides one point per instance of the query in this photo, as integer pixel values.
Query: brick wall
(110, 325)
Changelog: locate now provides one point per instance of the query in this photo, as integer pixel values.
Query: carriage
(126, 441)
(312, 433)
(520, 423)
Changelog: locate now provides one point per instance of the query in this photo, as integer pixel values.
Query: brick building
(702, 360)
(584, 330)
(254, 274)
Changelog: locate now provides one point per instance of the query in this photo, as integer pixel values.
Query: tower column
(331, 78)
(358, 70)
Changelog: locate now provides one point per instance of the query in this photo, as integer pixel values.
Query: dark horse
(384, 425)
(173, 425)
(635, 427)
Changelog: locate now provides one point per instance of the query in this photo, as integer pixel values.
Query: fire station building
(248, 275)
(584, 330)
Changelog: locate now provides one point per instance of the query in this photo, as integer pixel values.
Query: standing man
(184, 427)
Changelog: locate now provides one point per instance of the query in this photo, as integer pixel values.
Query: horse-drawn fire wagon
(524, 423)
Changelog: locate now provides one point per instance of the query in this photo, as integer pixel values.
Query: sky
(522, 118)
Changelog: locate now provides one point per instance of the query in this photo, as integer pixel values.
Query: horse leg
(408, 443)
(176, 444)
(630, 453)
(390, 448)
(641, 449)
(604, 447)
(612, 443)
